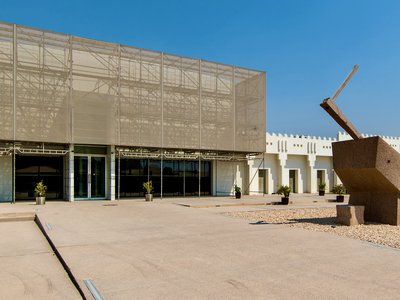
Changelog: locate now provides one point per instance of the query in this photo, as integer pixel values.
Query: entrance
(263, 181)
(293, 180)
(320, 177)
(90, 179)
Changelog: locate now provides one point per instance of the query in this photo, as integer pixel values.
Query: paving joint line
(59, 257)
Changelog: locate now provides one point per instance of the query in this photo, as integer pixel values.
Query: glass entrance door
(97, 177)
(89, 181)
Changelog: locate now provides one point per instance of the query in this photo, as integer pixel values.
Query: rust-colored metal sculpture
(331, 108)
(368, 167)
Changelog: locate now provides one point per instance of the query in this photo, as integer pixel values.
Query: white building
(302, 162)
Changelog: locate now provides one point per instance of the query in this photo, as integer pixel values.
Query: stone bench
(350, 214)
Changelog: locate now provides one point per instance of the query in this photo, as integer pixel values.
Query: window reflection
(180, 178)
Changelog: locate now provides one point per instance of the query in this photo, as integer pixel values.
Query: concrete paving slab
(139, 250)
(17, 216)
(29, 269)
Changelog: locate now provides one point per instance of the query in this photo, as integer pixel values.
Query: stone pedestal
(370, 170)
(350, 214)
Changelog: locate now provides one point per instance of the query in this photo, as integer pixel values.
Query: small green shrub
(40, 189)
(339, 189)
(284, 190)
(148, 186)
(322, 186)
(237, 188)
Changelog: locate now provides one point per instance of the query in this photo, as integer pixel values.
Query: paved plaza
(186, 249)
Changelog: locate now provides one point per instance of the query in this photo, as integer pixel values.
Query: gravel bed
(324, 220)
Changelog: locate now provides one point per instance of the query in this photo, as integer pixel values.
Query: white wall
(226, 174)
(298, 163)
(326, 163)
(5, 178)
(304, 154)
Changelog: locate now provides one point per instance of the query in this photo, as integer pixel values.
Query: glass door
(90, 179)
(97, 177)
(81, 181)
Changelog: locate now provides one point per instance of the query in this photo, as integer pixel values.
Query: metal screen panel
(42, 86)
(76, 90)
(217, 106)
(250, 110)
(95, 72)
(140, 99)
(181, 105)
(6, 82)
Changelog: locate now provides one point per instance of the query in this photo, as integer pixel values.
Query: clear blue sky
(307, 47)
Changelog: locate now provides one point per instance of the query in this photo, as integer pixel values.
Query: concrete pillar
(327, 178)
(214, 177)
(71, 177)
(283, 172)
(312, 174)
(6, 185)
(111, 179)
(253, 176)
(300, 181)
(269, 181)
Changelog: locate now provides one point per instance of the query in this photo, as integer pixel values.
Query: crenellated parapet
(299, 144)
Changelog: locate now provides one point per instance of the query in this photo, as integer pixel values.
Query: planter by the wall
(149, 197)
(322, 193)
(339, 198)
(285, 200)
(238, 195)
(40, 200)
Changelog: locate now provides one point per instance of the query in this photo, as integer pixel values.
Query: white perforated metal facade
(65, 89)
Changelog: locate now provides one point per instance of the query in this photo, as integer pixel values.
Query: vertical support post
(200, 96)
(162, 99)
(284, 173)
(199, 175)
(14, 106)
(148, 169)
(162, 123)
(162, 173)
(234, 108)
(119, 174)
(14, 80)
(71, 173)
(200, 115)
(216, 177)
(112, 172)
(265, 174)
(70, 104)
(119, 94)
(184, 177)
(312, 174)
(13, 174)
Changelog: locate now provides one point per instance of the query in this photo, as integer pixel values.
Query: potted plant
(339, 189)
(148, 186)
(40, 192)
(238, 192)
(285, 191)
(321, 188)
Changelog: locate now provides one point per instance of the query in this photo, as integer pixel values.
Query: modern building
(302, 162)
(94, 120)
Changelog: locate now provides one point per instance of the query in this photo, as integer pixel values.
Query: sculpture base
(350, 214)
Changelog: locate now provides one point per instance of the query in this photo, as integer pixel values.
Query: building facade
(302, 162)
(94, 120)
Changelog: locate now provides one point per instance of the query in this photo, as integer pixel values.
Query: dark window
(180, 178)
(31, 169)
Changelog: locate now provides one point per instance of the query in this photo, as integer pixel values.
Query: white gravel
(324, 220)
